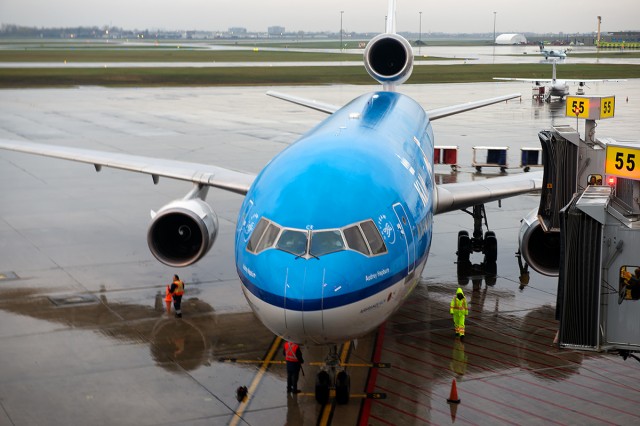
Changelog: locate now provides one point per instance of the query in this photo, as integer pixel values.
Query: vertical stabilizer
(391, 18)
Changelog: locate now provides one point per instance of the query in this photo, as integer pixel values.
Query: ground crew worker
(167, 300)
(459, 311)
(177, 290)
(293, 356)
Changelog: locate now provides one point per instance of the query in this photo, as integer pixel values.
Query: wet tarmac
(85, 338)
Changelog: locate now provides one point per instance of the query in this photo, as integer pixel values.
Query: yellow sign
(577, 107)
(590, 107)
(623, 162)
(607, 107)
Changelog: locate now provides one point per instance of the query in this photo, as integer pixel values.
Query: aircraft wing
(433, 114)
(456, 196)
(318, 106)
(437, 113)
(204, 174)
(591, 81)
(530, 80)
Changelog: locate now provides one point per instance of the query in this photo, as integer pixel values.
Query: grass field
(165, 54)
(69, 52)
(258, 76)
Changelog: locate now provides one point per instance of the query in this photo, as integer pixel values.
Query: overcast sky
(324, 15)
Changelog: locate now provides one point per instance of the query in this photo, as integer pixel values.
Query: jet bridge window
(325, 242)
(294, 242)
(629, 287)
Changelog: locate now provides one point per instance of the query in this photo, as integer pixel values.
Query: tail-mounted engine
(182, 232)
(388, 58)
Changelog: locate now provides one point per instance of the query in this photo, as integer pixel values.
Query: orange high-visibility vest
(179, 291)
(168, 297)
(290, 350)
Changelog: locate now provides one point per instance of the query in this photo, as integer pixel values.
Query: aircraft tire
(464, 246)
(343, 387)
(323, 382)
(490, 247)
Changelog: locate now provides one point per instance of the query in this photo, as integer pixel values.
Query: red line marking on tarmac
(591, 401)
(365, 411)
(529, 396)
(523, 368)
(430, 407)
(483, 368)
(403, 412)
(413, 386)
(518, 409)
(594, 378)
(381, 420)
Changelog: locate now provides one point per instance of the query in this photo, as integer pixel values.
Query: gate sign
(623, 161)
(590, 107)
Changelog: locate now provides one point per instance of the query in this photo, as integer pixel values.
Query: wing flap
(219, 177)
(456, 196)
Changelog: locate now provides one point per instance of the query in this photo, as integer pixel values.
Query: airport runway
(83, 334)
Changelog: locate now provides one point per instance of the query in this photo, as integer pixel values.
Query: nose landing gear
(333, 376)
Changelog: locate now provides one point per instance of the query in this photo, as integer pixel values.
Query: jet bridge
(591, 200)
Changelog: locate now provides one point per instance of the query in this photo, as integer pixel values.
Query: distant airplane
(335, 231)
(557, 87)
(552, 53)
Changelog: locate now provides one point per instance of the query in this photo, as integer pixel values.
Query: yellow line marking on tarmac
(256, 381)
(328, 408)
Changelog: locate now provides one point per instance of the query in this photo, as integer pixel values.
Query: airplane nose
(307, 294)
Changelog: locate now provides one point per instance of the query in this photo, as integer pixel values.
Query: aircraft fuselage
(307, 253)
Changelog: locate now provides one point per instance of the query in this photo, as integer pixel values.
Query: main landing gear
(486, 244)
(333, 376)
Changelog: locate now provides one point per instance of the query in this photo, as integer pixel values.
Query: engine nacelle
(541, 250)
(388, 58)
(182, 232)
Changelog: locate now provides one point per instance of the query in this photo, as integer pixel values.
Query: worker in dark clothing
(293, 356)
(634, 285)
(177, 290)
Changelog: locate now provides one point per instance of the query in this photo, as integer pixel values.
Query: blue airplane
(334, 233)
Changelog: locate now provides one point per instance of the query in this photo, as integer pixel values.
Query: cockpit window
(355, 240)
(294, 242)
(373, 237)
(362, 237)
(325, 242)
(257, 234)
(268, 238)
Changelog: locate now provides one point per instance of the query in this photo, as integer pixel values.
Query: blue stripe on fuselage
(353, 166)
(328, 302)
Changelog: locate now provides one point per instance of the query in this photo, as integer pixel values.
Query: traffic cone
(453, 396)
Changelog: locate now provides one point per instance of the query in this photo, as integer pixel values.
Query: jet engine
(540, 249)
(388, 58)
(182, 232)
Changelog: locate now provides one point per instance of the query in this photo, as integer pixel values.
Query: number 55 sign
(623, 161)
(590, 107)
